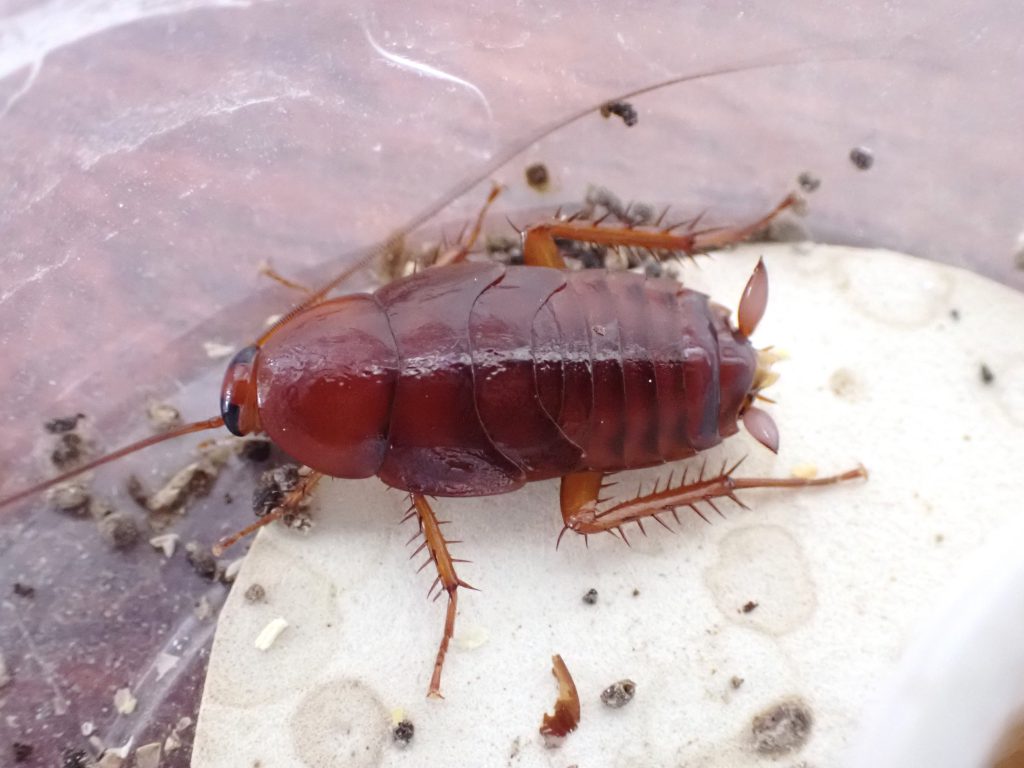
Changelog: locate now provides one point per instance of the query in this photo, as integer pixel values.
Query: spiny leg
(540, 249)
(447, 579)
(580, 497)
(460, 253)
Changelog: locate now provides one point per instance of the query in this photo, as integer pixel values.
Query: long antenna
(187, 429)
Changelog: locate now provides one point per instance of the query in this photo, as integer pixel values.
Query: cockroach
(472, 378)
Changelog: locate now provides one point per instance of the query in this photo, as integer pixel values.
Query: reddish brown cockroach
(473, 378)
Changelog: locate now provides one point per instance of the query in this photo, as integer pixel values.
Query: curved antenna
(187, 429)
(789, 58)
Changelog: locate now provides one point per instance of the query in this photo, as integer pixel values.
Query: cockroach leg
(567, 706)
(447, 579)
(539, 248)
(712, 239)
(580, 501)
(460, 253)
(287, 506)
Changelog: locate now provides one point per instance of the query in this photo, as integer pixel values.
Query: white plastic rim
(960, 685)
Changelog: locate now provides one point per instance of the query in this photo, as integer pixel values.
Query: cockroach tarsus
(526, 389)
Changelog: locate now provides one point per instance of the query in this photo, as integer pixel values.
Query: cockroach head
(238, 402)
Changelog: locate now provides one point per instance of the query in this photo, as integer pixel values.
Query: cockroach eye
(238, 394)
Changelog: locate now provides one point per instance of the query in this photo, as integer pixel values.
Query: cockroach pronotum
(472, 378)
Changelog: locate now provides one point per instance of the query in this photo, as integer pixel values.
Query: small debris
(255, 593)
(202, 560)
(63, 424)
(987, 377)
(269, 634)
(621, 109)
(120, 529)
(148, 755)
(5, 675)
(749, 606)
(124, 701)
(786, 229)
(257, 450)
(71, 498)
(173, 740)
(74, 758)
(804, 471)
(215, 350)
(203, 609)
(272, 489)
(231, 570)
(782, 729)
(954, 313)
(113, 757)
(193, 482)
(507, 250)
(537, 176)
(566, 717)
(618, 694)
(403, 733)
(471, 637)
(808, 182)
(590, 596)
(68, 451)
(636, 592)
(164, 663)
(166, 543)
(24, 590)
(163, 417)
(736, 681)
(22, 751)
(862, 158)
(1018, 252)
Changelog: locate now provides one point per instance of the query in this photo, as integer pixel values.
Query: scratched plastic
(155, 152)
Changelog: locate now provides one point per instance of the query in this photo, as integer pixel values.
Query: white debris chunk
(215, 351)
(166, 543)
(124, 701)
(148, 755)
(804, 471)
(269, 634)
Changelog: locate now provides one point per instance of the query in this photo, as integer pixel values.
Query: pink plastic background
(153, 153)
